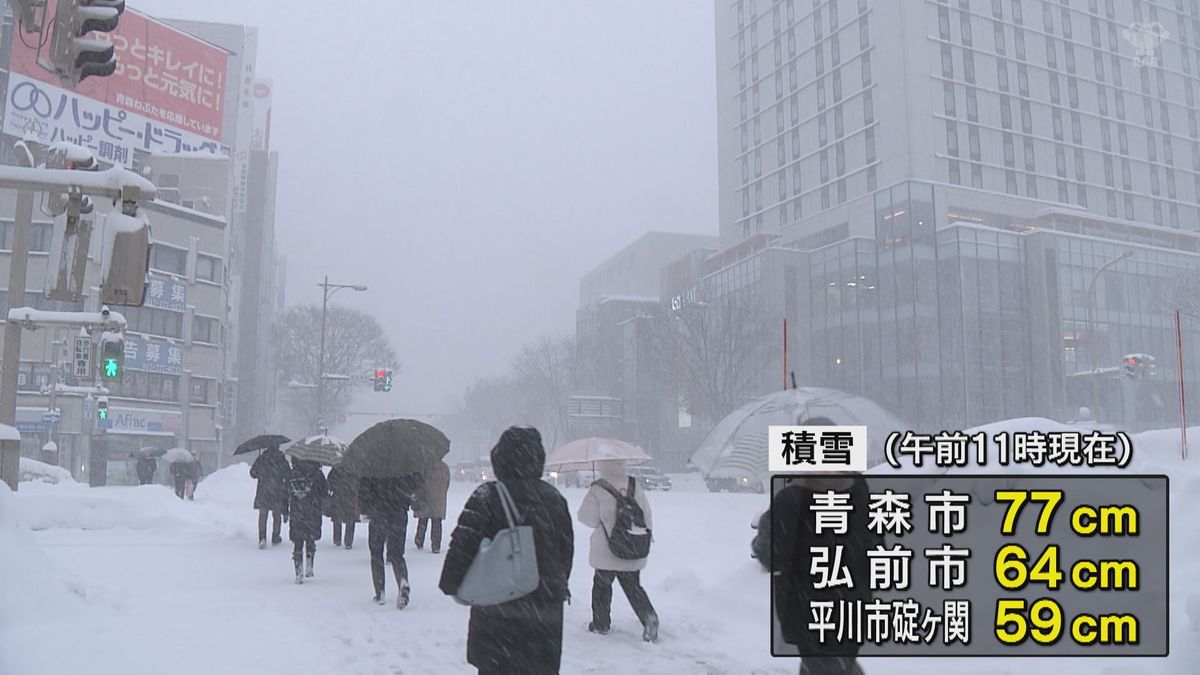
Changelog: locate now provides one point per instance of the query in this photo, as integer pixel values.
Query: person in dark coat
(179, 476)
(792, 531)
(306, 495)
(386, 502)
(270, 497)
(433, 506)
(146, 466)
(523, 635)
(343, 505)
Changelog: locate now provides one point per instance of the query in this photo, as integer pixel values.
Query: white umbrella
(737, 446)
(581, 455)
(175, 455)
(321, 448)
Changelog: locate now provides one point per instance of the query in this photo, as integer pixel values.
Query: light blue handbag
(505, 567)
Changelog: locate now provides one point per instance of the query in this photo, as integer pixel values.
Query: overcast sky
(469, 161)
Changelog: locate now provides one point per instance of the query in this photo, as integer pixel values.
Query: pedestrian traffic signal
(102, 410)
(75, 57)
(112, 356)
(1131, 367)
(387, 381)
(377, 381)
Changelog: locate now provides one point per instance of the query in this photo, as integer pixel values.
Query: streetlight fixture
(328, 290)
(1091, 322)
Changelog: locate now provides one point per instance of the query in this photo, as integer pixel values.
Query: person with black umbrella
(343, 505)
(389, 459)
(386, 501)
(145, 467)
(270, 497)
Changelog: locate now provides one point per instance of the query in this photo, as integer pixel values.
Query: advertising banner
(153, 357)
(167, 95)
(168, 294)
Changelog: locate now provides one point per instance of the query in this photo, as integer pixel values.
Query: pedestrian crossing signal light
(102, 411)
(378, 380)
(112, 359)
(387, 381)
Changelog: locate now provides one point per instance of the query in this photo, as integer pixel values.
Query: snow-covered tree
(355, 344)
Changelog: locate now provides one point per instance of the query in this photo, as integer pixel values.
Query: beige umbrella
(581, 455)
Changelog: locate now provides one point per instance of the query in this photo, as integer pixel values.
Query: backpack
(629, 538)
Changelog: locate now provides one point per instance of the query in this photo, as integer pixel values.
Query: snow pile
(231, 485)
(29, 584)
(33, 470)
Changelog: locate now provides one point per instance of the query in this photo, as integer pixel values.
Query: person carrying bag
(516, 604)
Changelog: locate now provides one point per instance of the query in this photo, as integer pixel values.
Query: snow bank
(231, 485)
(29, 584)
(33, 470)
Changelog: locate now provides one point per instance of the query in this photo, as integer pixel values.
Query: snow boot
(378, 599)
(650, 630)
(262, 543)
(299, 573)
(308, 567)
(402, 596)
(602, 630)
(349, 546)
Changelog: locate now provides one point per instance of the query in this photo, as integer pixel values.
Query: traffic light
(387, 381)
(1130, 368)
(112, 356)
(125, 260)
(75, 57)
(102, 409)
(26, 12)
(378, 380)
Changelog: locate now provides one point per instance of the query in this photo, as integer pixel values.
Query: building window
(208, 268)
(38, 237)
(154, 321)
(168, 259)
(206, 329)
(199, 393)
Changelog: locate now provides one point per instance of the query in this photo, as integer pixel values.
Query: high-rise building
(989, 202)
(1083, 104)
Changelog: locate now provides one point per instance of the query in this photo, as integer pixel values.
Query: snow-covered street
(132, 580)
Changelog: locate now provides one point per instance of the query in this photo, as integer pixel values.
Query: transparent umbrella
(737, 446)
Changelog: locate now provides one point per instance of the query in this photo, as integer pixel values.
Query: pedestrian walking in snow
(793, 531)
(179, 476)
(434, 487)
(343, 505)
(523, 635)
(306, 493)
(270, 497)
(619, 513)
(145, 467)
(191, 478)
(386, 502)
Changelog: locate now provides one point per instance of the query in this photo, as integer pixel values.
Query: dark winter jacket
(388, 497)
(306, 495)
(524, 635)
(792, 532)
(343, 496)
(272, 470)
(434, 487)
(146, 466)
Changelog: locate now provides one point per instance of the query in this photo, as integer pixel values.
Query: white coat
(600, 507)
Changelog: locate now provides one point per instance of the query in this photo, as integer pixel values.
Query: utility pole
(10, 451)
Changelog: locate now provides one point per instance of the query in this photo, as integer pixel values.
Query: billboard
(167, 95)
(152, 356)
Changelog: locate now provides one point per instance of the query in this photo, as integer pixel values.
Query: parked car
(756, 484)
(651, 478)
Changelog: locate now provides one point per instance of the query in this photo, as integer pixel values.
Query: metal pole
(10, 451)
(1183, 447)
(1091, 323)
(321, 358)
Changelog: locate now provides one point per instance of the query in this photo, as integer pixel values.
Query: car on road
(651, 477)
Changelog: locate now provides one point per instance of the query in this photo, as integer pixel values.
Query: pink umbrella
(581, 455)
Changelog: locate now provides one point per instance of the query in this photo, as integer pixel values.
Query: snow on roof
(8, 433)
(628, 298)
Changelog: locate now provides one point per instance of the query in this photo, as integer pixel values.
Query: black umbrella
(395, 448)
(262, 442)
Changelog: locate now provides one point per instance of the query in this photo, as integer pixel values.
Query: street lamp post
(1091, 322)
(328, 290)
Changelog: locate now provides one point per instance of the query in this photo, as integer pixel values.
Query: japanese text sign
(817, 449)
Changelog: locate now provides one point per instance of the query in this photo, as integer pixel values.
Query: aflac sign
(141, 421)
